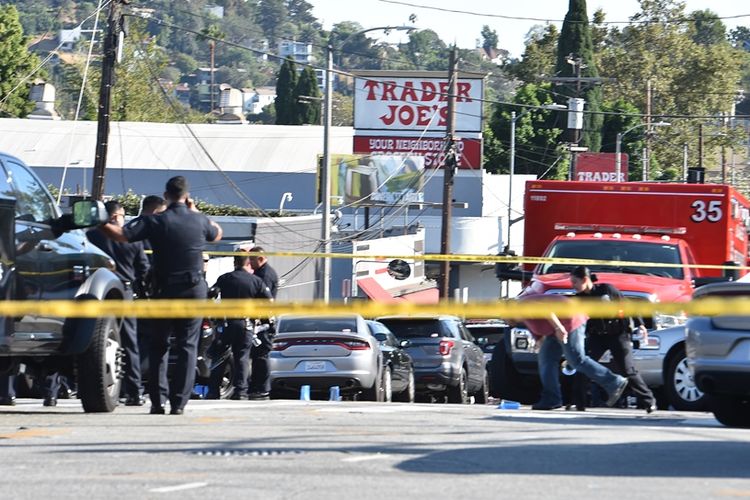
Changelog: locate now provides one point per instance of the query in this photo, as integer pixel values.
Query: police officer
(241, 284)
(613, 334)
(260, 375)
(131, 266)
(177, 236)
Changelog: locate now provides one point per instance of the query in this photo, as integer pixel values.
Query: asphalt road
(357, 450)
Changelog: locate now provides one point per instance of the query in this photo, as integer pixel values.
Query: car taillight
(280, 345)
(356, 345)
(445, 347)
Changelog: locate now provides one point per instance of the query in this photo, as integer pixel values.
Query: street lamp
(325, 175)
(513, 119)
(618, 144)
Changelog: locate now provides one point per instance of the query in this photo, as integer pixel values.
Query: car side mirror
(399, 269)
(405, 343)
(88, 213)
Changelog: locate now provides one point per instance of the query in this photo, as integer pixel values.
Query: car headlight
(667, 320)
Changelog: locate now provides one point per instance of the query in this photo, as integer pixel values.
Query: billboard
(431, 148)
(416, 101)
(376, 179)
(600, 167)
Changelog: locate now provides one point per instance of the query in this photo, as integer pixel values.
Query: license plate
(315, 366)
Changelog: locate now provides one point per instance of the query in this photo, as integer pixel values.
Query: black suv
(43, 256)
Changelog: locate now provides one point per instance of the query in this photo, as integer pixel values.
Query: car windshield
(287, 325)
(414, 328)
(623, 251)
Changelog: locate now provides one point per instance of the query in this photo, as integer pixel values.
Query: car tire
(458, 394)
(387, 385)
(731, 411)
(482, 396)
(374, 393)
(100, 368)
(408, 395)
(679, 385)
(508, 382)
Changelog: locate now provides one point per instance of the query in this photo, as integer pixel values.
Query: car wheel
(508, 382)
(374, 393)
(731, 411)
(408, 395)
(458, 394)
(682, 392)
(387, 385)
(100, 368)
(482, 396)
(226, 375)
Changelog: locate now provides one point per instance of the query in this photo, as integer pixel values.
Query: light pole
(325, 171)
(618, 145)
(513, 119)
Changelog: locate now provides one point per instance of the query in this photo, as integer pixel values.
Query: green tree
(16, 65)
(425, 50)
(575, 43)
(489, 38)
(286, 106)
(539, 55)
(271, 16)
(622, 116)
(537, 135)
(307, 98)
(707, 28)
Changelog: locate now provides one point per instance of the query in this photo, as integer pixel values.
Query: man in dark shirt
(260, 375)
(131, 266)
(177, 236)
(241, 284)
(264, 271)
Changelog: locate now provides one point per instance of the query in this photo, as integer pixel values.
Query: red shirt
(543, 327)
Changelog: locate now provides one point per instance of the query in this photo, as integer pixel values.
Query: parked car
(398, 368)
(718, 352)
(661, 361)
(323, 352)
(446, 359)
(488, 334)
(43, 256)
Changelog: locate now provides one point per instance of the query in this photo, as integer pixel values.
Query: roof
(167, 146)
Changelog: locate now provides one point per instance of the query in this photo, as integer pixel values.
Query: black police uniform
(240, 284)
(614, 334)
(131, 267)
(177, 236)
(260, 375)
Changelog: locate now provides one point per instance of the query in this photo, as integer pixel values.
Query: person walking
(241, 284)
(177, 236)
(131, 266)
(564, 337)
(260, 375)
(613, 334)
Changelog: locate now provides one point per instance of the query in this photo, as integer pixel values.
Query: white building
(299, 52)
(258, 98)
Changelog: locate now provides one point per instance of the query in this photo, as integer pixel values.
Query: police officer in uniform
(613, 334)
(260, 376)
(177, 236)
(131, 266)
(241, 284)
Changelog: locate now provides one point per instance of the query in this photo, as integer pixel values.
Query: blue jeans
(575, 353)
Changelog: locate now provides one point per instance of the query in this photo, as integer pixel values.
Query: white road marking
(364, 458)
(179, 487)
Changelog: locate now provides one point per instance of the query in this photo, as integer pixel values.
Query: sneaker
(651, 408)
(259, 396)
(615, 396)
(7, 401)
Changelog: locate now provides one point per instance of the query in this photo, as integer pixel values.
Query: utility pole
(212, 50)
(325, 178)
(448, 171)
(647, 155)
(114, 21)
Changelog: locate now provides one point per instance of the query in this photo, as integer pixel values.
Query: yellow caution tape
(481, 258)
(233, 308)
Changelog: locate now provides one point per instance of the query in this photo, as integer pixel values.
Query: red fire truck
(621, 225)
